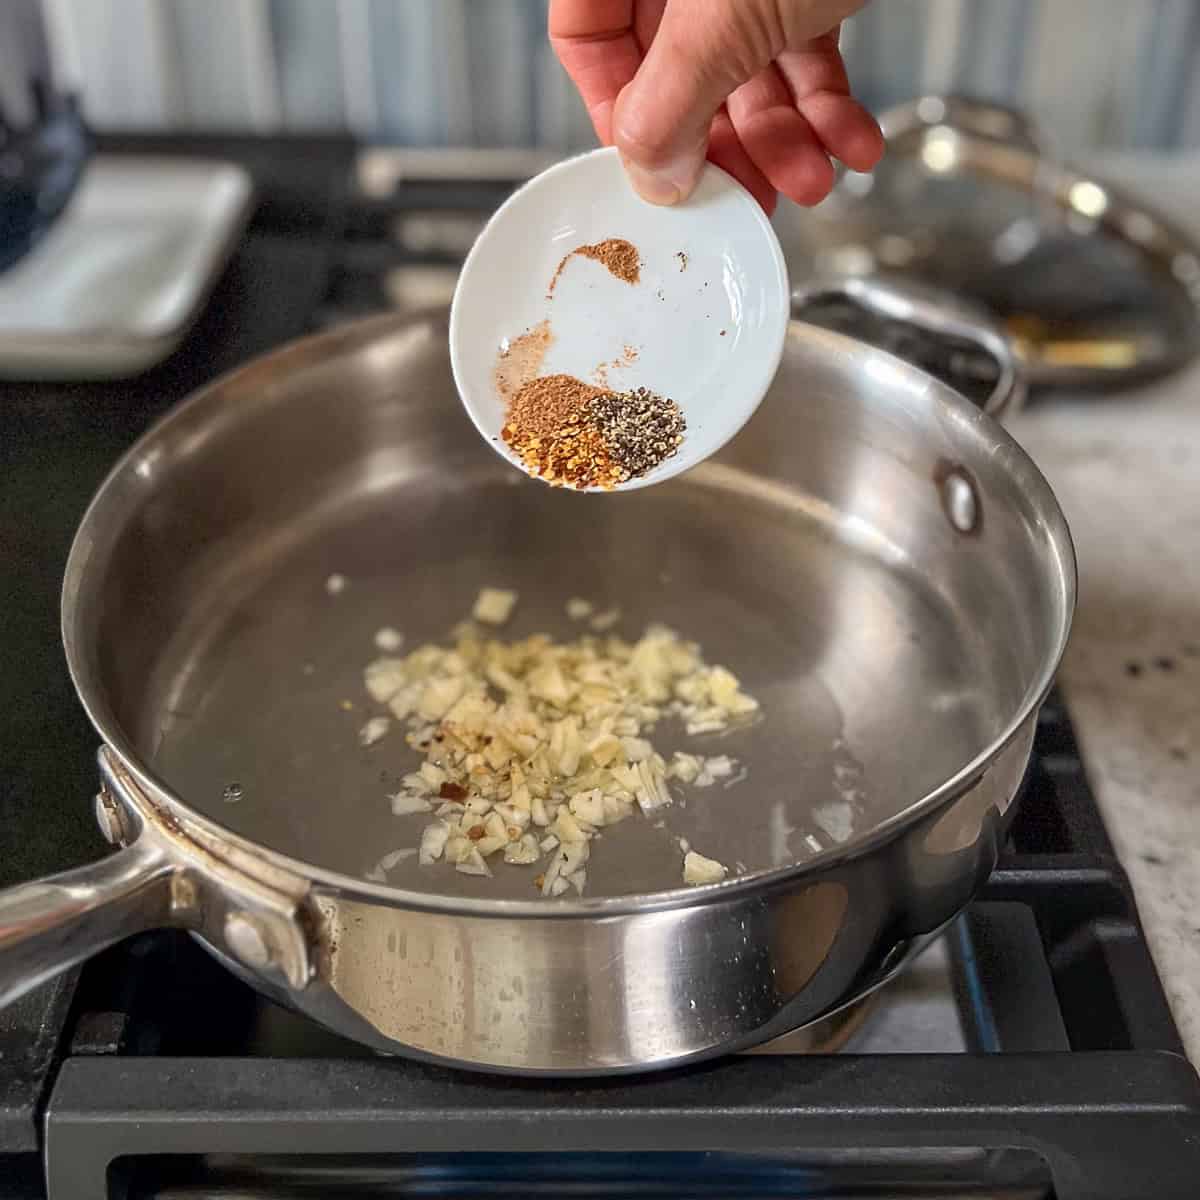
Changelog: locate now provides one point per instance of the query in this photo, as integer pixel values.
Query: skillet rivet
(961, 502)
(246, 937)
(108, 817)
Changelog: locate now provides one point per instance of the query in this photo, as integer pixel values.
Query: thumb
(662, 116)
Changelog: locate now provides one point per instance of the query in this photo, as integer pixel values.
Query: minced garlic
(699, 870)
(373, 730)
(494, 606)
(531, 747)
(579, 609)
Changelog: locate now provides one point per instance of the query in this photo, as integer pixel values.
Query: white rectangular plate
(115, 285)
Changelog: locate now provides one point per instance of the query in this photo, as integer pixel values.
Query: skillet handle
(51, 924)
(940, 316)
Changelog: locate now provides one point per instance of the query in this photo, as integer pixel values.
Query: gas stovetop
(1029, 1053)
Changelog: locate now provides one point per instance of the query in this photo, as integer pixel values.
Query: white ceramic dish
(118, 281)
(707, 319)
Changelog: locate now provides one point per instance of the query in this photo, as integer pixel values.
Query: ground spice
(619, 257)
(520, 359)
(545, 405)
(549, 429)
(640, 429)
(576, 456)
(569, 433)
(627, 357)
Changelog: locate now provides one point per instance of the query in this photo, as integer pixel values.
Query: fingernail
(650, 185)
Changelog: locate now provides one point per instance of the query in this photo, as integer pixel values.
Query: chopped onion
(405, 804)
(712, 769)
(433, 842)
(389, 861)
(373, 730)
(473, 864)
(494, 606)
(385, 677)
(513, 816)
(637, 749)
(700, 870)
(388, 639)
(523, 852)
(589, 807)
(836, 819)
(533, 747)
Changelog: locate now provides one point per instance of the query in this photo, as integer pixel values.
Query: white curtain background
(479, 73)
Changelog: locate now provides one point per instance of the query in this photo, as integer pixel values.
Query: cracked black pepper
(570, 433)
(640, 428)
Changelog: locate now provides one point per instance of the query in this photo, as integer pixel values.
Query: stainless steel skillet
(884, 567)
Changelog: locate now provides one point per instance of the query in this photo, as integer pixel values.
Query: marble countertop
(1126, 469)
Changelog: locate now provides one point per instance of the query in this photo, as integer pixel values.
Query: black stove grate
(1052, 955)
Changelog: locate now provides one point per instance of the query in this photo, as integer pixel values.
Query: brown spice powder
(626, 358)
(618, 256)
(548, 428)
(521, 360)
(547, 404)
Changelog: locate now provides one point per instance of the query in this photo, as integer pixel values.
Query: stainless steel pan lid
(1094, 287)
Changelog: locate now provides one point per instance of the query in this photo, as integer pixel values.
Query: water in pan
(851, 658)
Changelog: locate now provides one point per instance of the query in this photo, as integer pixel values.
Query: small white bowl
(706, 321)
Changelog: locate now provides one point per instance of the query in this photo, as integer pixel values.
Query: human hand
(757, 86)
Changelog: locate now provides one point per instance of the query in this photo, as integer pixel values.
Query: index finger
(596, 43)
